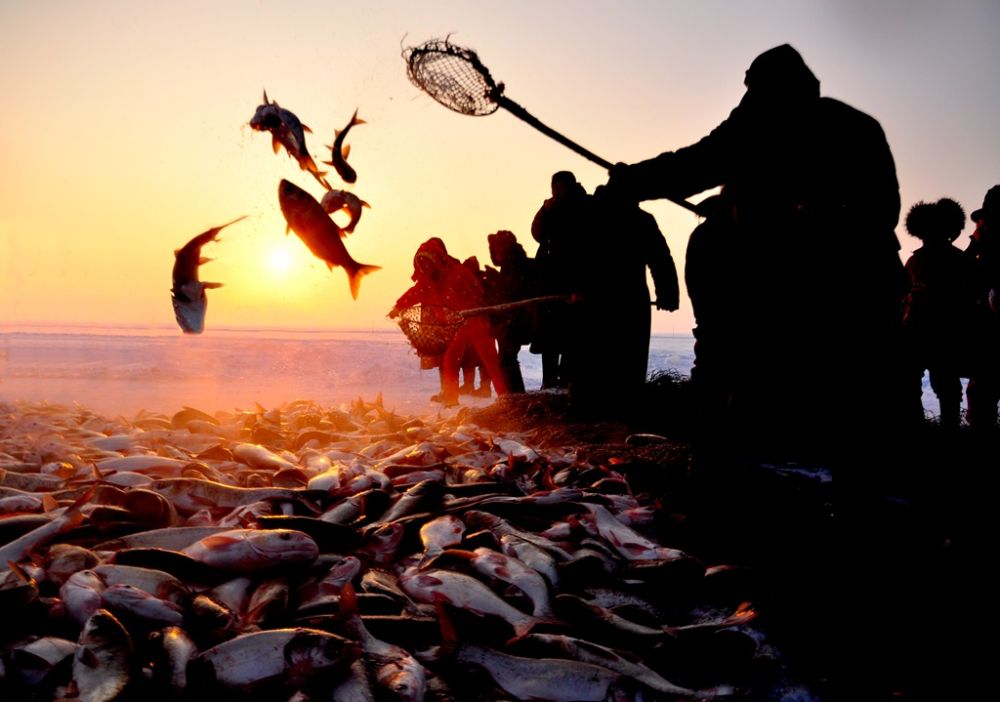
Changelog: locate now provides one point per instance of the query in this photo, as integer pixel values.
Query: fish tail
(355, 274)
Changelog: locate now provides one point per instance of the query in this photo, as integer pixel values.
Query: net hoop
(454, 76)
(429, 328)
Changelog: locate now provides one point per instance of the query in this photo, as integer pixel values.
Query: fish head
(266, 118)
(189, 309)
(311, 652)
(103, 628)
(283, 545)
(333, 201)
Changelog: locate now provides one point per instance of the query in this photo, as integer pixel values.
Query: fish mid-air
(337, 200)
(307, 218)
(339, 152)
(286, 130)
(188, 293)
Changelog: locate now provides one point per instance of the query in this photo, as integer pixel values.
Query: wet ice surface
(123, 371)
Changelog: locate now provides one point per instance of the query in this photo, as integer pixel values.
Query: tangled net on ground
(454, 76)
(429, 328)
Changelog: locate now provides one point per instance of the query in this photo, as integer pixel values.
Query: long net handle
(517, 304)
(548, 131)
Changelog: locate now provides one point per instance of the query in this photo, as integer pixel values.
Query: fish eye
(286, 536)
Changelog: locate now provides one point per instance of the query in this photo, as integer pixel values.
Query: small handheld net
(455, 77)
(429, 328)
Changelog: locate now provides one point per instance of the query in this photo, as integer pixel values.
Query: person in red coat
(440, 280)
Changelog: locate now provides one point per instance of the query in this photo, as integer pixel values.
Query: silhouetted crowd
(794, 267)
(581, 303)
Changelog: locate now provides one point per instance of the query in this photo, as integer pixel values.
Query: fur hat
(991, 205)
(939, 221)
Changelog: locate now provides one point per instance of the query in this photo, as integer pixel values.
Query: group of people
(807, 321)
(582, 305)
(951, 313)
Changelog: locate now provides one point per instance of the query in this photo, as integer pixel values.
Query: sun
(279, 259)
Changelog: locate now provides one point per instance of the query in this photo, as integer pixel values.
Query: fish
(188, 292)
(393, 667)
(287, 130)
(131, 602)
(342, 200)
(101, 665)
(556, 679)
(19, 548)
(509, 570)
(339, 152)
(321, 234)
(248, 550)
(465, 592)
(251, 662)
(590, 652)
(175, 650)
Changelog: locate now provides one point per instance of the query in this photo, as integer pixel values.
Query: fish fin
(354, 277)
(305, 128)
(328, 163)
(288, 229)
(449, 635)
(266, 102)
(365, 204)
(176, 251)
(49, 503)
(20, 572)
(275, 144)
(345, 151)
(356, 120)
(202, 260)
(211, 285)
(329, 267)
(348, 600)
(217, 541)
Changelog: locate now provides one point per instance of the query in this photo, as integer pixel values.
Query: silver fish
(188, 292)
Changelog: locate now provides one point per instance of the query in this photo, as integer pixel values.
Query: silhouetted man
(811, 186)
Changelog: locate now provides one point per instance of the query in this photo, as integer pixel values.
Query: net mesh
(429, 328)
(454, 76)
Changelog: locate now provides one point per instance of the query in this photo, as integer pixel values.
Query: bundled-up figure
(514, 281)
(938, 310)
(811, 184)
(610, 336)
(561, 226)
(984, 249)
(440, 280)
(471, 362)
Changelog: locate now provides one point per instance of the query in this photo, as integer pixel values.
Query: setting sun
(279, 259)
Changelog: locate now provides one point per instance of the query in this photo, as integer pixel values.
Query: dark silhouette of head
(940, 221)
(503, 245)
(564, 182)
(779, 75)
(990, 208)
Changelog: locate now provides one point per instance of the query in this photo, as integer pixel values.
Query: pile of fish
(311, 553)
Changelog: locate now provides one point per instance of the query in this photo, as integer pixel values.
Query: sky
(124, 132)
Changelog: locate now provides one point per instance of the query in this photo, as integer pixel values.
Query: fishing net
(429, 328)
(454, 76)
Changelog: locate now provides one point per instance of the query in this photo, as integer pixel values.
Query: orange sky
(124, 132)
